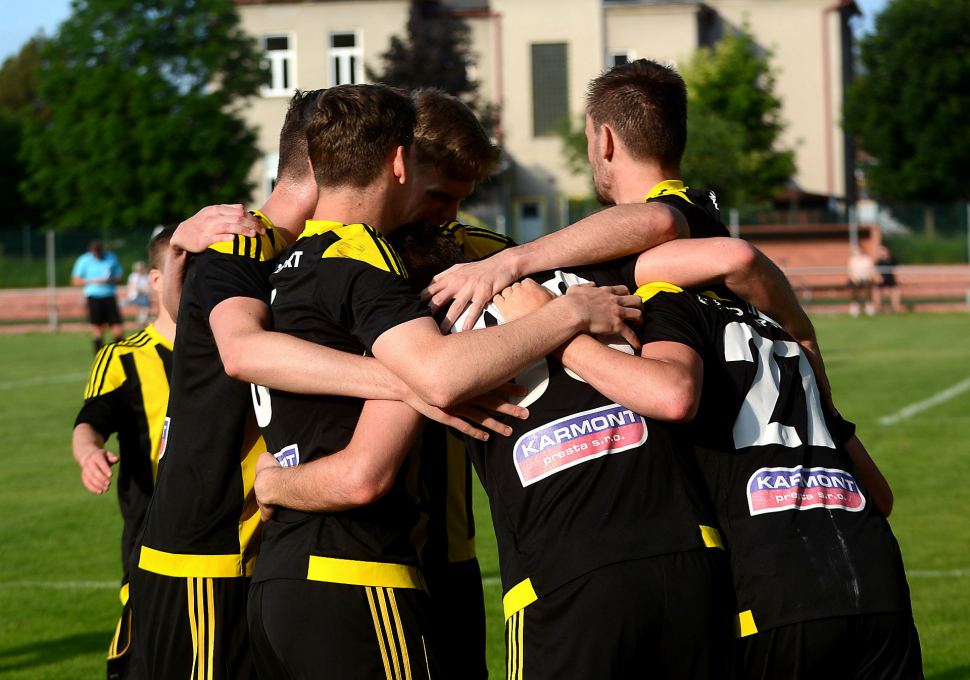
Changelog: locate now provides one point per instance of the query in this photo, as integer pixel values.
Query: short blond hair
(451, 139)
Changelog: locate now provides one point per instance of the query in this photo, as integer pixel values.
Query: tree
(910, 106)
(18, 100)
(143, 126)
(735, 122)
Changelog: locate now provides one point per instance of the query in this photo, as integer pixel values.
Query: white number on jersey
(753, 426)
(262, 405)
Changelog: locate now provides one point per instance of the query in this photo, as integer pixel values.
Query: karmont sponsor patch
(576, 439)
(797, 488)
(289, 456)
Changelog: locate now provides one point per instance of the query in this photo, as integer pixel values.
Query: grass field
(59, 544)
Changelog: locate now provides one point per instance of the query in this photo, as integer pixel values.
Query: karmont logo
(289, 456)
(780, 489)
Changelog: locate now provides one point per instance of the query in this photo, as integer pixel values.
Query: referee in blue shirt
(98, 272)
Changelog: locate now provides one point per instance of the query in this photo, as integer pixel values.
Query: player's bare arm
(212, 224)
(872, 477)
(89, 452)
(253, 353)
(357, 475)
(445, 370)
(620, 230)
(664, 382)
(746, 271)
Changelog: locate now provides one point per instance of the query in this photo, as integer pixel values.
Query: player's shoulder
(108, 371)
(358, 245)
(476, 242)
(261, 247)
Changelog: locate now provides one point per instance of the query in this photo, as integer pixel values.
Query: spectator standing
(140, 291)
(861, 274)
(886, 265)
(98, 272)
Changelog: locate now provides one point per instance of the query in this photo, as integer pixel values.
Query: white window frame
(276, 60)
(271, 163)
(345, 54)
(611, 55)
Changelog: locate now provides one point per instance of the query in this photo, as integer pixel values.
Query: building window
(529, 215)
(346, 58)
(550, 87)
(271, 162)
(619, 57)
(281, 58)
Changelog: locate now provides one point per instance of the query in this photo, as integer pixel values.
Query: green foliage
(734, 122)
(18, 100)
(142, 127)
(573, 136)
(911, 105)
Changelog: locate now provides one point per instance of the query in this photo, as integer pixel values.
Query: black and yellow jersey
(446, 471)
(203, 520)
(805, 539)
(698, 206)
(341, 286)
(127, 394)
(584, 482)
(476, 243)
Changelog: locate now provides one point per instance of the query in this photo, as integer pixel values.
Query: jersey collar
(158, 337)
(315, 227)
(668, 186)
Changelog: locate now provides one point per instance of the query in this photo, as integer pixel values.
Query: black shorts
(187, 628)
(871, 647)
(103, 311)
(310, 629)
(664, 617)
(458, 618)
(121, 665)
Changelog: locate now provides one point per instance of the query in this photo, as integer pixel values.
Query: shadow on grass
(961, 673)
(52, 651)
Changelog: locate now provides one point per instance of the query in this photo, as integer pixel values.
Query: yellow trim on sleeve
(714, 296)
(518, 598)
(744, 624)
(124, 595)
(359, 573)
(648, 290)
(712, 537)
(260, 247)
(190, 566)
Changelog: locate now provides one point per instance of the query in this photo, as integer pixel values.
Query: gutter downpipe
(827, 94)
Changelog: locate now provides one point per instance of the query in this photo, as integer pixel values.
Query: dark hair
(425, 250)
(450, 138)
(293, 151)
(96, 248)
(354, 128)
(158, 248)
(646, 105)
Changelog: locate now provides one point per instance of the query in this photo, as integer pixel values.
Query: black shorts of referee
(103, 310)
(658, 617)
(314, 630)
(865, 647)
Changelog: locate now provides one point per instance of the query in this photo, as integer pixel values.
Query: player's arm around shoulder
(357, 475)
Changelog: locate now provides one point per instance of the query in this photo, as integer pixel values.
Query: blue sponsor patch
(289, 456)
(798, 488)
(576, 439)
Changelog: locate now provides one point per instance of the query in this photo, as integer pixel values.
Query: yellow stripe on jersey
(714, 296)
(514, 635)
(357, 242)
(744, 624)
(518, 598)
(475, 243)
(124, 595)
(648, 290)
(191, 566)
(260, 247)
(712, 537)
(106, 373)
(359, 573)
(667, 188)
(378, 629)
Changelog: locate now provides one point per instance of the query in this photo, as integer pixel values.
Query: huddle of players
(612, 524)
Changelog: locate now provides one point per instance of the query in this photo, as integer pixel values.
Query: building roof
(457, 4)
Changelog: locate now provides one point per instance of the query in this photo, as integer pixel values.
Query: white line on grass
(938, 573)
(70, 585)
(491, 581)
(937, 398)
(30, 382)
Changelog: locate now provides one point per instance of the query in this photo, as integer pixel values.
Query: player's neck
(164, 324)
(634, 180)
(373, 205)
(289, 207)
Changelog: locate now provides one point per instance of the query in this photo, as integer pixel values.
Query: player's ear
(156, 277)
(607, 145)
(399, 164)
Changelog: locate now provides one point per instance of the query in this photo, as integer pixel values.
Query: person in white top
(861, 274)
(140, 291)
